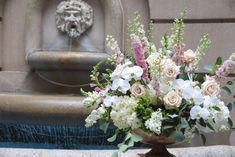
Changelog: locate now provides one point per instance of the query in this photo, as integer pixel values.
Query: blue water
(56, 137)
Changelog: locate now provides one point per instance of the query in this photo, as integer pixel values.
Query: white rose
(170, 71)
(172, 100)
(189, 56)
(137, 90)
(210, 88)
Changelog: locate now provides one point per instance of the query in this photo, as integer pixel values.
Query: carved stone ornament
(74, 17)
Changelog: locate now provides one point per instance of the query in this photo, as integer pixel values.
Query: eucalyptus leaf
(131, 143)
(178, 136)
(104, 126)
(128, 136)
(113, 138)
(123, 147)
(136, 138)
(167, 127)
(184, 123)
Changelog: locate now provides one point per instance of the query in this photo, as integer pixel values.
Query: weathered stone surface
(213, 151)
(196, 9)
(74, 17)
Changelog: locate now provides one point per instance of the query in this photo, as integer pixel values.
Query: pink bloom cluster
(178, 57)
(225, 69)
(139, 54)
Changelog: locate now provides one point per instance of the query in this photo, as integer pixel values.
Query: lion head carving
(74, 17)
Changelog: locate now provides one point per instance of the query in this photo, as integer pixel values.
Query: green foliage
(227, 89)
(129, 141)
(144, 109)
(204, 45)
(178, 136)
(178, 30)
(165, 42)
(219, 61)
(230, 122)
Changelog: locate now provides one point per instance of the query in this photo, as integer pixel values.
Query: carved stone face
(74, 17)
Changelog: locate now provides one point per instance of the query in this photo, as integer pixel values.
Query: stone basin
(42, 109)
(64, 60)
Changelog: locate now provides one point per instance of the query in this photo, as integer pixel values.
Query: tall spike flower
(139, 54)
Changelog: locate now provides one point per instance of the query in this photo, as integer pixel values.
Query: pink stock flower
(139, 54)
(226, 68)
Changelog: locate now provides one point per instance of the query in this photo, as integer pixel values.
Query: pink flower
(139, 54)
(226, 68)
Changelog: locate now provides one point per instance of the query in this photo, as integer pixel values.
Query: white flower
(137, 90)
(193, 95)
(123, 115)
(111, 100)
(121, 85)
(210, 88)
(92, 100)
(172, 100)
(170, 69)
(232, 57)
(164, 88)
(198, 112)
(155, 122)
(134, 72)
(180, 84)
(189, 56)
(94, 116)
(118, 70)
(154, 59)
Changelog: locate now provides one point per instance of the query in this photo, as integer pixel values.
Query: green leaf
(123, 147)
(230, 122)
(167, 127)
(210, 126)
(225, 88)
(178, 136)
(203, 138)
(230, 83)
(184, 123)
(219, 61)
(115, 154)
(113, 138)
(104, 126)
(216, 108)
(136, 138)
(128, 136)
(131, 143)
(202, 122)
(209, 67)
(230, 106)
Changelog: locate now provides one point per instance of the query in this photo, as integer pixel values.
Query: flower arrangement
(159, 91)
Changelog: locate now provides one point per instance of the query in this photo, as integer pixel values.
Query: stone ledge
(39, 108)
(211, 151)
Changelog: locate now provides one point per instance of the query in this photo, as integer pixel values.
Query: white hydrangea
(94, 116)
(155, 122)
(92, 100)
(123, 114)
